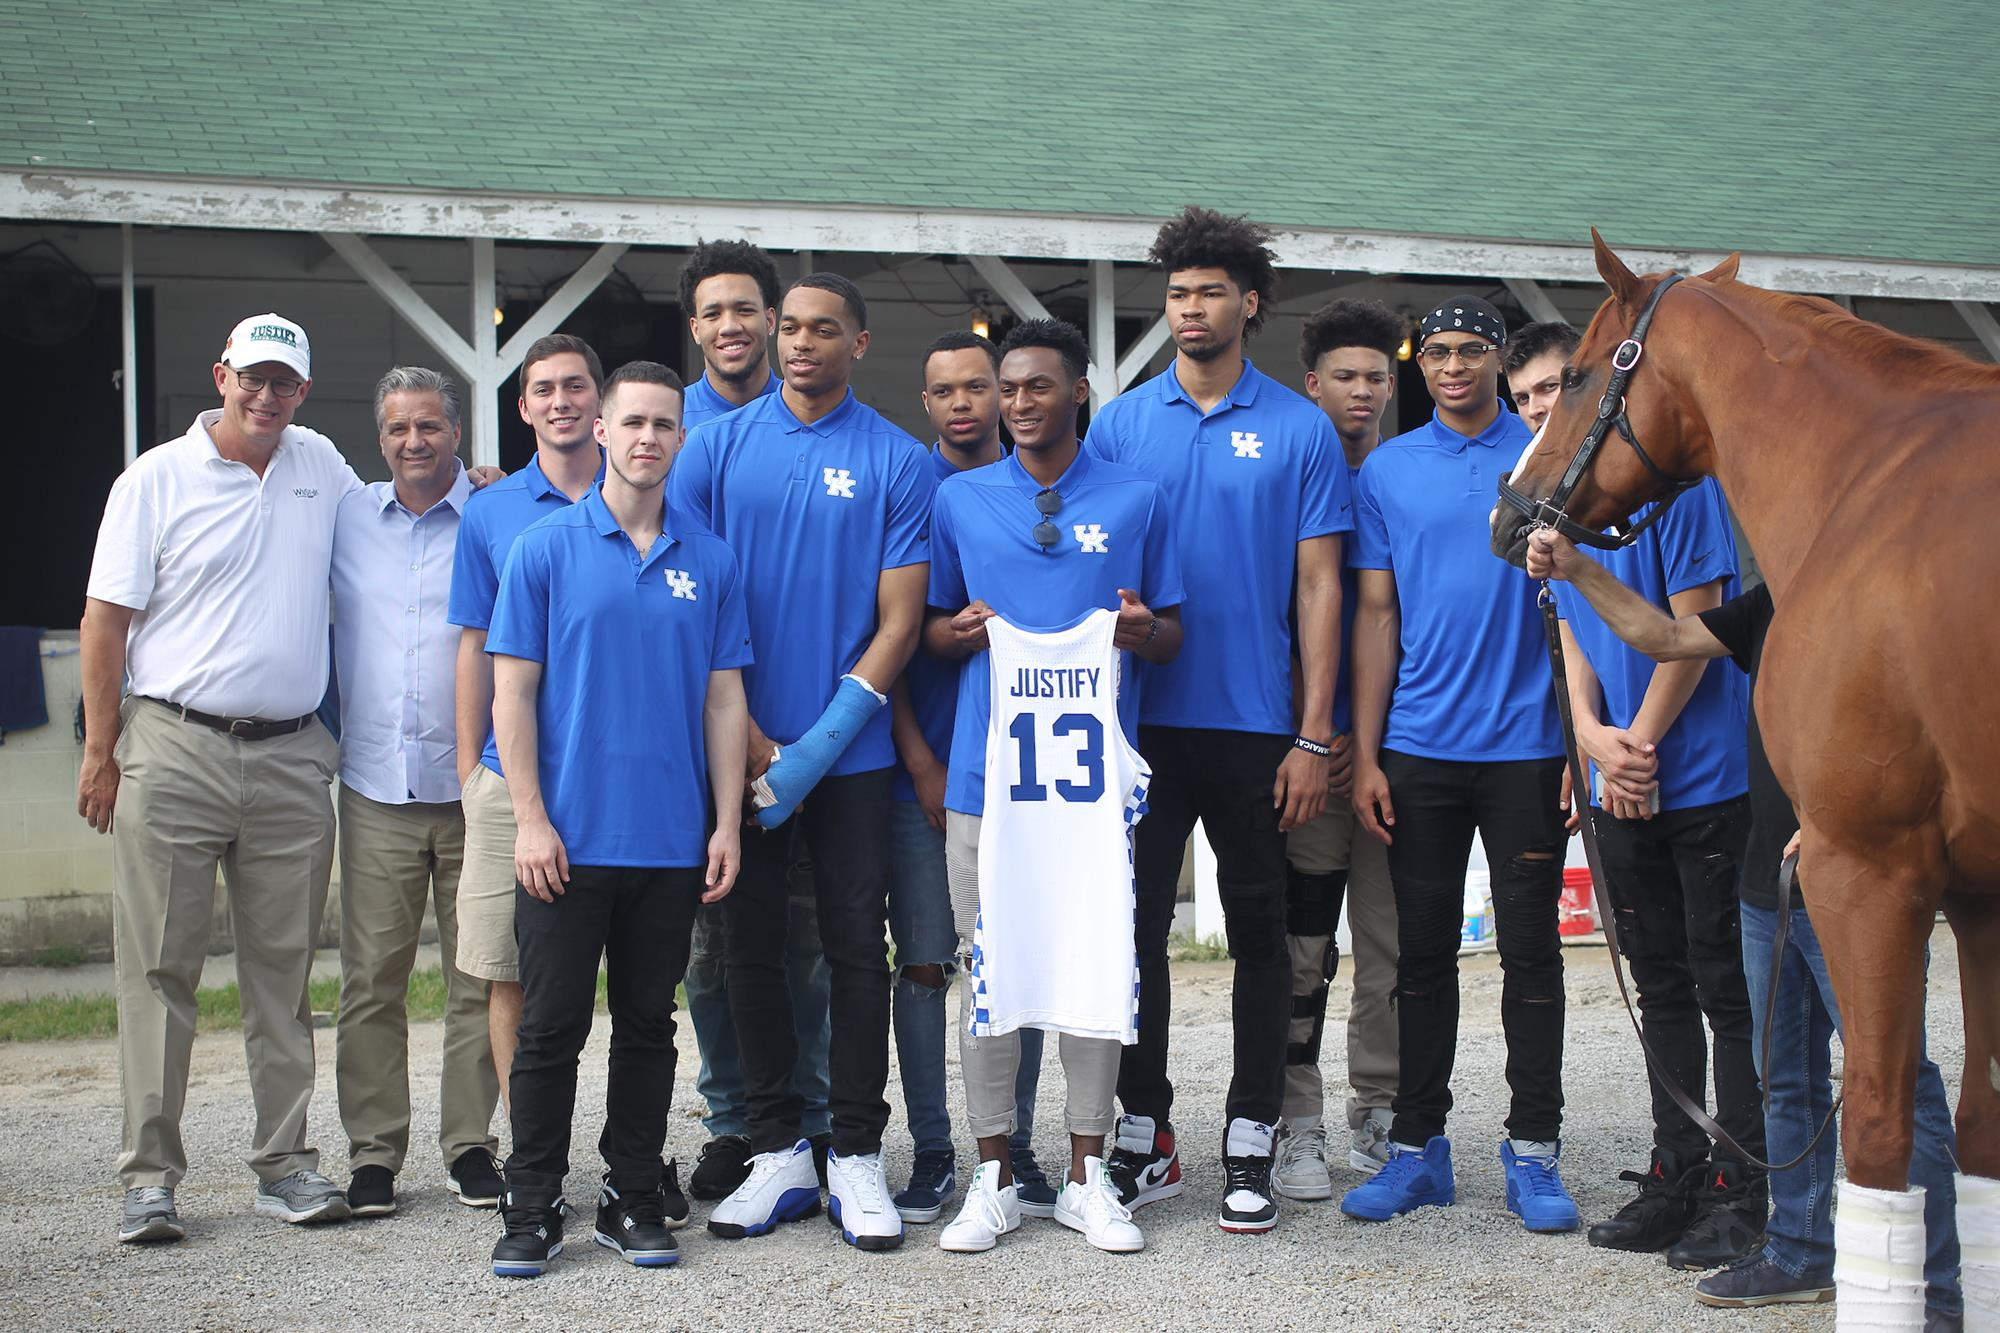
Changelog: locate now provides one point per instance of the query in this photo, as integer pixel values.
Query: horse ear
(1725, 271)
(1624, 284)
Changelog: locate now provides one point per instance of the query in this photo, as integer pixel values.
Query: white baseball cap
(268, 337)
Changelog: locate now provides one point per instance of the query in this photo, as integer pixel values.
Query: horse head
(1653, 423)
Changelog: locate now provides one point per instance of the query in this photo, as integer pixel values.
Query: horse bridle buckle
(1618, 358)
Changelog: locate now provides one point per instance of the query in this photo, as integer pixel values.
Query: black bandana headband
(1464, 314)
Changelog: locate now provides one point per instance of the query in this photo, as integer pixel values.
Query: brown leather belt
(242, 728)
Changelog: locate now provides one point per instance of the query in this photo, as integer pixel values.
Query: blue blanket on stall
(23, 703)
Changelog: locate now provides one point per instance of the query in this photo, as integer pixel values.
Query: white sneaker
(782, 1186)
(1093, 1209)
(1368, 1149)
(1300, 1172)
(990, 1212)
(858, 1201)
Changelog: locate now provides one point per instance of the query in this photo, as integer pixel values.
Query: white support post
(1103, 332)
(1141, 351)
(1981, 319)
(128, 343)
(485, 334)
(1533, 299)
(1027, 305)
(807, 262)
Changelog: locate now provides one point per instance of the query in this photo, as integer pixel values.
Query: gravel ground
(1467, 1266)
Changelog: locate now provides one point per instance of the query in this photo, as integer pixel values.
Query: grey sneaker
(150, 1216)
(303, 1196)
(1368, 1148)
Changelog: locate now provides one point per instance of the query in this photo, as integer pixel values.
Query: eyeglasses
(1047, 504)
(1436, 354)
(283, 386)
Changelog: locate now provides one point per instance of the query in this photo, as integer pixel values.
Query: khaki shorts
(486, 885)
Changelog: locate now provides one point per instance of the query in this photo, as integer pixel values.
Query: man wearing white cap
(209, 590)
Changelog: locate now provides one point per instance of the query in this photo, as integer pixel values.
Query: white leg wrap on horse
(1878, 1266)
(1979, 1251)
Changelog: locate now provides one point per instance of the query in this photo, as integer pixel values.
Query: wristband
(1312, 747)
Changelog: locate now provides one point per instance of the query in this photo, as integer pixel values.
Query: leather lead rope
(1580, 793)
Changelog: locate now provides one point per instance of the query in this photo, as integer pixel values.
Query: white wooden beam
(1103, 331)
(128, 343)
(486, 383)
(403, 298)
(1141, 351)
(561, 303)
(1027, 305)
(1981, 319)
(1534, 300)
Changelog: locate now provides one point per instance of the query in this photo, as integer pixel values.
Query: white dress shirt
(394, 652)
(226, 570)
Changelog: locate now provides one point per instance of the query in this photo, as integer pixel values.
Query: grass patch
(61, 955)
(1183, 947)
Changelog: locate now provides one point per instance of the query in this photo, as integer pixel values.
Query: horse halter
(1550, 513)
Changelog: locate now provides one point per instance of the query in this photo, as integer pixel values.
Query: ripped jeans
(1440, 804)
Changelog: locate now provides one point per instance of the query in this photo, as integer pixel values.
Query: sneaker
(371, 1192)
(857, 1196)
(1247, 1205)
(781, 1187)
(1733, 1204)
(149, 1215)
(1095, 1209)
(1144, 1164)
(673, 1202)
(991, 1210)
(1032, 1190)
(532, 1238)
(1368, 1146)
(1535, 1192)
(474, 1179)
(722, 1168)
(1413, 1178)
(1300, 1171)
(633, 1224)
(1757, 1281)
(1662, 1212)
(932, 1181)
(303, 1196)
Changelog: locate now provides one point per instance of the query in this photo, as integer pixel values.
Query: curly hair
(1350, 323)
(1203, 238)
(962, 340)
(1532, 340)
(1059, 335)
(714, 258)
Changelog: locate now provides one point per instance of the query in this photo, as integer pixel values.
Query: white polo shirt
(394, 652)
(226, 570)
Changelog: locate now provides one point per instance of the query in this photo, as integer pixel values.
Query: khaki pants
(190, 798)
(989, 1064)
(1334, 842)
(486, 885)
(393, 857)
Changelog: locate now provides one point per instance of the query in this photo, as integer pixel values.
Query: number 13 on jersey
(1077, 736)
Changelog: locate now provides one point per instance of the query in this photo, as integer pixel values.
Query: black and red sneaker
(1144, 1163)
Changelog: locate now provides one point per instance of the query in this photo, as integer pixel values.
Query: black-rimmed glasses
(1436, 354)
(282, 385)
(1047, 504)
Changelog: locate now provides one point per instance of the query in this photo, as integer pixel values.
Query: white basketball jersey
(1053, 945)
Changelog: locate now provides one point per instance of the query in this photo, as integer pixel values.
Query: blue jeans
(1800, 1232)
(921, 925)
(720, 1082)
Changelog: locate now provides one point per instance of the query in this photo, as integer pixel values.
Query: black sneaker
(372, 1192)
(1032, 1191)
(634, 1225)
(1666, 1206)
(1247, 1203)
(674, 1203)
(1757, 1281)
(532, 1240)
(1729, 1227)
(475, 1180)
(821, 1144)
(1144, 1164)
(724, 1165)
(933, 1180)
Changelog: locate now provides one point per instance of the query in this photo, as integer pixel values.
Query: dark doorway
(619, 324)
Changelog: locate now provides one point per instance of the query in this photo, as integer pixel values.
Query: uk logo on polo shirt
(683, 584)
(1246, 444)
(1092, 538)
(839, 482)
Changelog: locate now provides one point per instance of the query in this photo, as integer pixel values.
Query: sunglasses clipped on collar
(1048, 504)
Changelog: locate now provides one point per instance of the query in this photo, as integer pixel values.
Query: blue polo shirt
(1116, 533)
(1474, 681)
(814, 514)
(494, 517)
(701, 404)
(1350, 597)
(1246, 483)
(1703, 759)
(626, 646)
(931, 681)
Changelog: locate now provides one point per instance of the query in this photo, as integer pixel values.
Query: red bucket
(1576, 911)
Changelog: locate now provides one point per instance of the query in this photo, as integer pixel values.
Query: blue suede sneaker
(932, 1182)
(1411, 1179)
(1535, 1191)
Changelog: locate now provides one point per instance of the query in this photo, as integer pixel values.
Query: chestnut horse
(1865, 467)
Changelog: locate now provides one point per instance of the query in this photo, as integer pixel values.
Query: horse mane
(1881, 348)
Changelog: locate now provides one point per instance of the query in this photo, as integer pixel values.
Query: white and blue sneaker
(782, 1187)
(858, 1201)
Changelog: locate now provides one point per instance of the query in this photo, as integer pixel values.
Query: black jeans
(1672, 885)
(1222, 778)
(640, 922)
(846, 824)
(1512, 806)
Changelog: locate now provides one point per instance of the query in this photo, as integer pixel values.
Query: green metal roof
(1840, 129)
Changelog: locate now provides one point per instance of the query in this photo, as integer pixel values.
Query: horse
(1864, 466)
